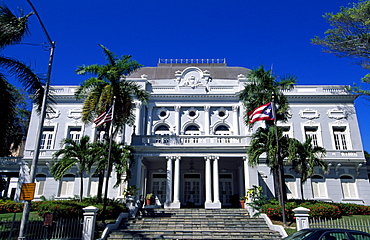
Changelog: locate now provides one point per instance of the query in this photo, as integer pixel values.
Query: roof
(167, 71)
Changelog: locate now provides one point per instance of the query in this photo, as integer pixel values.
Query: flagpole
(280, 164)
(107, 173)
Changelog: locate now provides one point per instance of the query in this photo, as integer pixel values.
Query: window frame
(321, 187)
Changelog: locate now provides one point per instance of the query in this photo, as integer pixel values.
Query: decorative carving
(192, 77)
(138, 105)
(336, 113)
(309, 113)
(54, 114)
(177, 108)
(75, 113)
(163, 113)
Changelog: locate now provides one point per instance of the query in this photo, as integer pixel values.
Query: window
(68, 182)
(47, 138)
(74, 133)
(348, 187)
(40, 184)
(318, 187)
(192, 130)
(286, 131)
(311, 132)
(162, 130)
(291, 186)
(340, 138)
(222, 130)
(94, 182)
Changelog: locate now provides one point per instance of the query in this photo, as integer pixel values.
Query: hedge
(64, 208)
(317, 209)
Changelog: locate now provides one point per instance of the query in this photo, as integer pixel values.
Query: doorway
(192, 190)
(226, 188)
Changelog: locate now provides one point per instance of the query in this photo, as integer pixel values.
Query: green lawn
(18, 216)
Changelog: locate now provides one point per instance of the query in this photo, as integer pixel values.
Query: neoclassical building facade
(190, 139)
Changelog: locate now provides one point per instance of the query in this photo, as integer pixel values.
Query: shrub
(325, 210)
(363, 210)
(11, 207)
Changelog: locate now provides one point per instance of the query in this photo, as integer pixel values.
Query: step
(194, 224)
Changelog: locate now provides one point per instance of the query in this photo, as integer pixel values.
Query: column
(138, 118)
(216, 187)
(177, 119)
(247, 183)
(176, 186)
(208, 178)
(150, 120)
(138, 164)
(167, 204)
(206, 120)
(235, 119)
(250, 175)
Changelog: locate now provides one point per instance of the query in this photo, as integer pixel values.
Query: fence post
(89, 222)
(301, 215)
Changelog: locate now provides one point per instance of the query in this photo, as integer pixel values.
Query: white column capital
(177, 108)
(206, 108)
(138, 104)
(235, 108)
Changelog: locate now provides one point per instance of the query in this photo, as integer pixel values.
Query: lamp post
(27, 204)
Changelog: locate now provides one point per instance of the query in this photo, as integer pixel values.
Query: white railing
(354, 224)
(189, 140)
(10, 161)
(182, 61)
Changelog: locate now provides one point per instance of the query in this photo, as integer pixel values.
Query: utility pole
(27, 204)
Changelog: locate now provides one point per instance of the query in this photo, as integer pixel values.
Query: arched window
(291, 186)
(68, 182)
(162, 130)
(348, 186)
(318, 187)
(192, 130)
(222, 130)
(40, 184)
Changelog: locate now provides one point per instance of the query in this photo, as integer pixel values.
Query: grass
(18, 216)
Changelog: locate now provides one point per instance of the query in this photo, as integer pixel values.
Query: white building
(191, 141)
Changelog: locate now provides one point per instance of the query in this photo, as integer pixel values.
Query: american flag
(106, 116)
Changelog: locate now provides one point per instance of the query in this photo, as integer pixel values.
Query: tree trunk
(82, 186)
(99, 194)
(302, 189)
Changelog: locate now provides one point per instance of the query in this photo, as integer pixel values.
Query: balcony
(189, 140)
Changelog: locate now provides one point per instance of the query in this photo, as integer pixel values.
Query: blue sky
(247, 33)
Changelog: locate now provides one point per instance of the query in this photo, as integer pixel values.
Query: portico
(205, 180)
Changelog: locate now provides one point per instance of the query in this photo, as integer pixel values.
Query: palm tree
(261, 86)
(264, 141)
(259, 89)
(121, 159)
(14, 120)
(12, 31)
(304, 157)
(74, 153)
(109, 82)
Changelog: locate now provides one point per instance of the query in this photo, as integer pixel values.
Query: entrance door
(159, 186)
(226, 188)
(192, 193)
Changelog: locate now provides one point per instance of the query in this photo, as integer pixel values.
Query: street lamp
(27, 204)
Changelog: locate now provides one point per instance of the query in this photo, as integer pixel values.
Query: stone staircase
(194, 224)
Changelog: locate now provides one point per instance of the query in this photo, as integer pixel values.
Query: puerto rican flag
(106, 116)
(263, 112)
